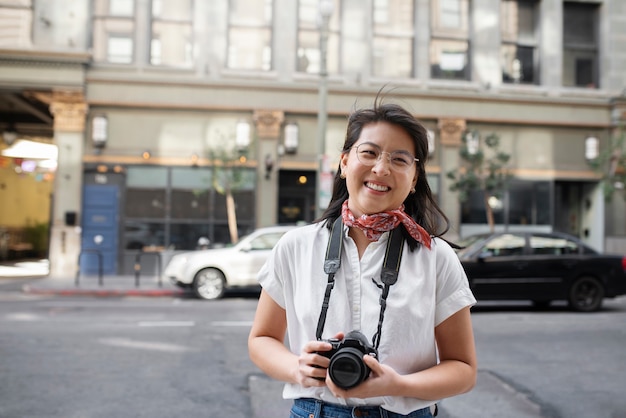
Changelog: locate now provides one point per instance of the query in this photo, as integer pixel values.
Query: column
(268, 128)
(450, 131)
(69, 110)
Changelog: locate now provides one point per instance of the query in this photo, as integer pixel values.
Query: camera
(347, 368)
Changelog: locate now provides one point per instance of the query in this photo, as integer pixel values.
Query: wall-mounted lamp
(472, 142)
(431, 142)
(292, 132)
(592, 148)
(269, 166)
(146, 155)
(9, 135)
(99, 131)
(242, 135)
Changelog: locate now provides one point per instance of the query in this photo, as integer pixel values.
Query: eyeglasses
(369, 154)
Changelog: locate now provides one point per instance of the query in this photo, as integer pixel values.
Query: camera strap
(388, 275)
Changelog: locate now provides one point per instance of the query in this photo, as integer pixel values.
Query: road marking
(232, 323)
(166, 324)
(144, 345)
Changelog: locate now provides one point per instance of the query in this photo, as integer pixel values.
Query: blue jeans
(313, 408)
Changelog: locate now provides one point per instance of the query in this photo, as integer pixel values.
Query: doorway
(296, 196)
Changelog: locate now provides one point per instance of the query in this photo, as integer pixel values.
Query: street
(178, 356)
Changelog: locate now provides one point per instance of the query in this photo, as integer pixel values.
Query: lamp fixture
(472, 142)
(146, 155)
(99, 131)
(592, 148)
(9, 135)
(242, 135)
(291, 138)
(431, 141)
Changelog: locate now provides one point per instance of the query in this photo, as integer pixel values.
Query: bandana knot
(378, 223)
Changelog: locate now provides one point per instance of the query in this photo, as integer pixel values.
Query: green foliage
(611, 166)
(228, 170)
(483, 169)
(37, 235)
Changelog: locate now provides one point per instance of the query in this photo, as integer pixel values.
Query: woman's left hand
(380, 382)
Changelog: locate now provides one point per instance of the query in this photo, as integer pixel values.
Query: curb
(103, 292)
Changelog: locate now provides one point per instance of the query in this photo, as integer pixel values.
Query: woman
(425, 348)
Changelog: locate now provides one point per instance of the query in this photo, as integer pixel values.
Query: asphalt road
(177, 356)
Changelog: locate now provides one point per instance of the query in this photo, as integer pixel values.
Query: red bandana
(375, 225)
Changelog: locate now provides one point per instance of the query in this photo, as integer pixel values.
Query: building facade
(171, 115)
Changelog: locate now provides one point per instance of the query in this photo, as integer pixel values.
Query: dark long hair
(419, 205)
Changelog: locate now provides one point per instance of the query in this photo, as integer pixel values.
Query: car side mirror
(246, 247)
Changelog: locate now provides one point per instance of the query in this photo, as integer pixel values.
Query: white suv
(210, 272)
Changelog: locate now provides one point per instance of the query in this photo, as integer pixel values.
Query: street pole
(322, 192)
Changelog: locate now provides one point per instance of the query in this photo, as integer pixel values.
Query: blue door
(100, 229)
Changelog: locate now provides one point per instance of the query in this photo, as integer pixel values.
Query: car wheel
(586, 294)
(209, 284)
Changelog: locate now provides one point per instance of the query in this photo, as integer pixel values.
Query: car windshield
(468, 244)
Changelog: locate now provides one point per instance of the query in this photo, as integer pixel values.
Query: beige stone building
(161, 110)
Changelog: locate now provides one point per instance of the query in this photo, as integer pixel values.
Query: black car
(541, 267)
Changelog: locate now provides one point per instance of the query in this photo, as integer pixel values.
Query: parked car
(541, 267)
(209, 273)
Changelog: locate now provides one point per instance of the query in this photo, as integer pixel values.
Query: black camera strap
(388, 275)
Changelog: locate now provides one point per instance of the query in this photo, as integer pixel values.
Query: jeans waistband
(314, 408)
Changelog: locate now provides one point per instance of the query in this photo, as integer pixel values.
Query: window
(518, 31)
(580, 45)
(171, 43)
(114, 28)
(449, 44)
(393, 38)
(16, 20)
(250, 35)
(505, 245)
(548, 245)
(529, 203)
(308, 56)
(172, 207)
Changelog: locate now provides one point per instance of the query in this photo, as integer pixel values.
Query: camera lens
(347, 368)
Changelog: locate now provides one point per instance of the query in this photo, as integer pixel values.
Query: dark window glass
(519, 40)
(528, 204)
(580, 44)
(547, 245)
(505, 245)
(449, 44)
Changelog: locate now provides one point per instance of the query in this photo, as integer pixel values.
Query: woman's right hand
(312, 366)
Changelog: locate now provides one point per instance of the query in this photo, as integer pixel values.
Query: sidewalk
(40, 283)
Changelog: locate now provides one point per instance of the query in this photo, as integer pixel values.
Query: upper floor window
(580, 44)
(449, 44)
(309, 31)
(171, 42)
(393, 39)
(250, 34)
(16, 19)
(114, 28)
(518, 31)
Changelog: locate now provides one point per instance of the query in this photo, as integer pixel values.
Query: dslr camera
(347, 368)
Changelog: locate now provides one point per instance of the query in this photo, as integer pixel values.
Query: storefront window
(173, 207)
(524, 203)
